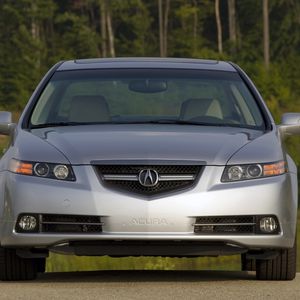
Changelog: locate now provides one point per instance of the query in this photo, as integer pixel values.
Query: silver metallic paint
(127, 216)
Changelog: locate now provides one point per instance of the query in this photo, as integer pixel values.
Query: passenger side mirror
(290, 124)
(6, 125)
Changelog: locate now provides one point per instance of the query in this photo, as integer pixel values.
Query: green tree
(21, 55)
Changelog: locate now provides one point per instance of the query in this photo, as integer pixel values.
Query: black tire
(13, 267)
(283, 267)
(247, 264)
(41, 265)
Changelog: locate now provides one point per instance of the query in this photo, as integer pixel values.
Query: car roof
(146, 62)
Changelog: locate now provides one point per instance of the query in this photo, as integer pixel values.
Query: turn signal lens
(20, 167)
(274, 169)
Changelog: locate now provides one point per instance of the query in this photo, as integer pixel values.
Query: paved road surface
(150, 285)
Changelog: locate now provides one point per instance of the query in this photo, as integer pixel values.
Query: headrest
(196, 107)
(86, 108)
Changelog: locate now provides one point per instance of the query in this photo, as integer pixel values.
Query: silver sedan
(157, 157)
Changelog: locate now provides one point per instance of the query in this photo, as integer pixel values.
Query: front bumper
(127, 217)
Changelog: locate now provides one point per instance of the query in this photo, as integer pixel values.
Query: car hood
(140, 143)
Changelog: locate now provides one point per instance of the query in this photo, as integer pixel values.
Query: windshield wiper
(169, 121)
(58, 124)
(158, 121)
(186, 122)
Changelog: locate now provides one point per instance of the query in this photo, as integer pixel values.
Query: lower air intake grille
(230, 225)
(148, 180)
(70, 224)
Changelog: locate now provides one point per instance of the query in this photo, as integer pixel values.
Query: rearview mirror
(6, 125)
(148, 86)
(290, 124)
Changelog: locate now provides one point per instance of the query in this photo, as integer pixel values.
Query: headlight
(253, 171)
(61, 171)
(42, 169)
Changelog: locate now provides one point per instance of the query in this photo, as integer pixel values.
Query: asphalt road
(150, 285)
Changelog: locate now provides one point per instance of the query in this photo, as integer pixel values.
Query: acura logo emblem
(148, 177)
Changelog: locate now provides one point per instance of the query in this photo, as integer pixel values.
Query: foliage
(34, 34)
(62, 263)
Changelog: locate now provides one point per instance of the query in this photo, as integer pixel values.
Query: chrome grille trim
(160, 177)
(176, 177)
(56, 223)
(73, 223)
(224, 224)
(232, 225)
(120, 177)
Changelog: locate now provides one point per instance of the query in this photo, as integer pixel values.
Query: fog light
(28, 223)
(268, 224)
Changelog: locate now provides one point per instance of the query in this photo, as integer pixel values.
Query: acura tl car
(148, 157)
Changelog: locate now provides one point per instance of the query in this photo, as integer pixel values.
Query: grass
(68, 263)
(61, 263)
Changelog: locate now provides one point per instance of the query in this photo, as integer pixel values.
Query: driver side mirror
(290, 124)
(6, 125)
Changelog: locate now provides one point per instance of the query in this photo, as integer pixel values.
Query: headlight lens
(61, 171)
(252, 171)
(42, 169)
(235, 173)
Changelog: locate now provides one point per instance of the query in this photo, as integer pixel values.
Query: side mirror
(6, 125)
(290, 124)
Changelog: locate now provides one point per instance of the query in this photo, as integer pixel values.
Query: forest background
(262, 36)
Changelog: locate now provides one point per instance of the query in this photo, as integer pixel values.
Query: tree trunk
(163, 19)
(111, 38)
(103, 28)
(166, 19)
(266, 33)
(232, 25)
(219, 26)
(195, 27)
(161, 33)
(94, 23)
(35, 33)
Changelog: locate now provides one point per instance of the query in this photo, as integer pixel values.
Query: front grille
(50, 223)
(230, 225)
(169, 178)
(161, 169)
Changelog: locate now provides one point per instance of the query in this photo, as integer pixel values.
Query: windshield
(213, 98)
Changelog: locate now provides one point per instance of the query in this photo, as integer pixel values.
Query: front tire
(13, 267)
(283, 267)
(41, 264)
(247, 264)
